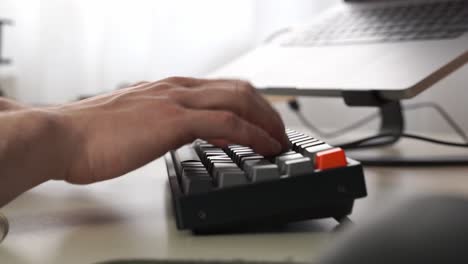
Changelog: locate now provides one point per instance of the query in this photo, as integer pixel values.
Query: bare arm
(30, 151)
(107, 136)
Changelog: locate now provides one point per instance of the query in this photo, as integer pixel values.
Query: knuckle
(244, 107)
(245, 88)
(140, 83)
(176, 94)
(162, 85)
(230, 120)
(177, 110)
(245, 101)
(169, 108)
(177, 80)
(119, 98)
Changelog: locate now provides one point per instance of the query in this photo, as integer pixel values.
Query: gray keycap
(287, 153)
(187, 153)
(299, 166)
(217, 167)
(227, 178)
(294, 139)
(192, 164)
(242, 160)
(196, 182)
(309, 144)
(302, 140)
(311, 151)
(281, 160)
(238, 158)
(261, 170)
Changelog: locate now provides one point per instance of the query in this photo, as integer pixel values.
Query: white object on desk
(8, 81)
(4, 227)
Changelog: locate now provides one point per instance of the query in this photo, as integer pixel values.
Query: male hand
(115, 133)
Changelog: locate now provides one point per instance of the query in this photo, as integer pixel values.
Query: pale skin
(110, 135)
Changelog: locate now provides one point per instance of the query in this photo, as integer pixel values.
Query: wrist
(58, 136)
(41, 136)
(8, 105)
(32, 147)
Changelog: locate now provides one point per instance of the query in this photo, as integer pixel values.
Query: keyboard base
(329, 193)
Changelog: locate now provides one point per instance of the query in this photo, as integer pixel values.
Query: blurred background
(62, 50)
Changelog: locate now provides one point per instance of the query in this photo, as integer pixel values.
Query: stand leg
(392, 122)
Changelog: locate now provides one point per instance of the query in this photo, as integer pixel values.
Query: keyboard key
(312, 151)
(187, 153)
(228, 178)
(296, 167)
(300, 148)
(302, 140)
(192, 164)
(261, 170)
(297, 144)
(255, 157)
(287, 153)
(196, 182)
(213, 161)
(281, 161)
(296, 138)
(238, 157)
(329, 159)
(219, 167)
(233, 150)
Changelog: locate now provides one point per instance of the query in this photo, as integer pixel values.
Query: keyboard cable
(393, 161)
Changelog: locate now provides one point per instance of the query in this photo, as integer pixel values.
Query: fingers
(237, 97)
(184, 81)
(215, 125)
(240, 99)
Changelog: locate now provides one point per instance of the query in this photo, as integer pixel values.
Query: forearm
(32, 147)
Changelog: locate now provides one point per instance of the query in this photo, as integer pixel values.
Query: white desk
(132, 217)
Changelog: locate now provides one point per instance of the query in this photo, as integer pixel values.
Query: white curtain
(66, 48)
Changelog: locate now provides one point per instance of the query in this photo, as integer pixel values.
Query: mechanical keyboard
(216, 189)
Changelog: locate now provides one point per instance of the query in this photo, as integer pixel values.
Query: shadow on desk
(95, 214)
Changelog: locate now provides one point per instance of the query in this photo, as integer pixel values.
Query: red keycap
(329, 159)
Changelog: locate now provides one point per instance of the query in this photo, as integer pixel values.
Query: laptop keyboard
(440, 20)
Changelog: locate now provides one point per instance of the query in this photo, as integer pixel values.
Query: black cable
(294, 105)
(432, 161)
(380, 140)
(435, 141)
(425, 161)
(367, 142)
(444, 115)
(357, 143)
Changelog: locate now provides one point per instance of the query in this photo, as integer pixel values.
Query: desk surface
(131, 217)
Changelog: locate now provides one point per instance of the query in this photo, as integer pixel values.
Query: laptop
(395, 48)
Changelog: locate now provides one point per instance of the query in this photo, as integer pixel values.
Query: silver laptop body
(396, 48)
